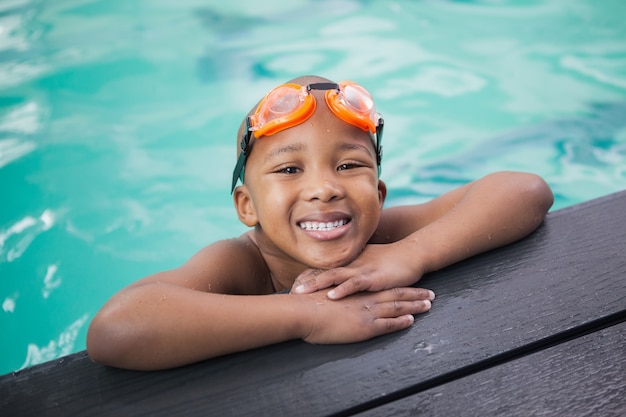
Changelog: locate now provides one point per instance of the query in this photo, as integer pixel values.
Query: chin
(336, 262)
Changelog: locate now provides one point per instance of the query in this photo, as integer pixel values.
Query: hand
(378, 267)
(362, 316)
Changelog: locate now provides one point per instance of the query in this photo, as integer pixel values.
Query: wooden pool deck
(537, 327)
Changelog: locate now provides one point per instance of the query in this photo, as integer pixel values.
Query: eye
(346, 166)
(289, 170)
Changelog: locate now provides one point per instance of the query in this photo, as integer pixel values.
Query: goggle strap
(379, 146)
(322, 86)
(238, 172)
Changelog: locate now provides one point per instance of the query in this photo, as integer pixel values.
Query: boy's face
(313, 191)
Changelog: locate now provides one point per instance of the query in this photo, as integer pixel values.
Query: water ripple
(16, 238)
(63, 345)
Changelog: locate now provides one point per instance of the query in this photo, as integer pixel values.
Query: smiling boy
(309, 161)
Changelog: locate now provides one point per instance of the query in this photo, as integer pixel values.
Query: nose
(322, 185)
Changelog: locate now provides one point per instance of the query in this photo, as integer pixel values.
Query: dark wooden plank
(583, 377)
(567, 274)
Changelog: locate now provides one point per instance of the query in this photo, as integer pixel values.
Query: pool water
(117, 123)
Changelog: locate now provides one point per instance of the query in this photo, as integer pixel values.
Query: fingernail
(427, 304)
(332, 294)
(431, 295)
(299, 289)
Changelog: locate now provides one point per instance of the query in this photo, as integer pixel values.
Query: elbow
(107, 341)
(538, 194)
(528, 192)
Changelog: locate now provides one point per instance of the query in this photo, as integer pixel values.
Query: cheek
(270, 202)
(371, 203)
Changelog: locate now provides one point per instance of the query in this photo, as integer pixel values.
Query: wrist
(420, 253)
(298, 312)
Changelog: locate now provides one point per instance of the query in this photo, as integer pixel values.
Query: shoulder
(231, 266)
(228, 249)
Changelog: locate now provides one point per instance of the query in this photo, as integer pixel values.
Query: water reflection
(16, 238)
(61, 346)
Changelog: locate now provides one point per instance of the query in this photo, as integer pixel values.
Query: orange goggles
(288, 105)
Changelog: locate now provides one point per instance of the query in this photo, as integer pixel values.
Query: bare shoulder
(231, 266)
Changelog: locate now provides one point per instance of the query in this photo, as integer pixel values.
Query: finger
(316, 279)
(306, 282)
(405, 294)
(350, 286)
(389, 325)
(400, 308)
(398, 293)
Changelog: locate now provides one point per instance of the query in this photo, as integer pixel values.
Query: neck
(283, 271)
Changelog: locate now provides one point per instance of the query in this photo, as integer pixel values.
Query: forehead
(315, 137)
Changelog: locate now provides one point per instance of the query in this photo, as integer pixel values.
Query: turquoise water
(117, 123)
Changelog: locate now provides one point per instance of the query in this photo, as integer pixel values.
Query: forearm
(157, 326)
(494, 211)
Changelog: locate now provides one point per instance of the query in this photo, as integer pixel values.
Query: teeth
(322, 226)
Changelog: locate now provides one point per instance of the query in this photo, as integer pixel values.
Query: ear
(382, 192)
(245, 207)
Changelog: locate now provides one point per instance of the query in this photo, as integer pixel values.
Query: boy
(309, 161)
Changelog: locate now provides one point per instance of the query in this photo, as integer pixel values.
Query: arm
(485, 214)
(175, 318)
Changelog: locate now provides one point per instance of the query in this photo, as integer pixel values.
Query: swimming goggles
(288, 105)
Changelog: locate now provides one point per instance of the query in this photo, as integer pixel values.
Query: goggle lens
(281, 102)
(353, 104)
(358, 99)
(285, 106)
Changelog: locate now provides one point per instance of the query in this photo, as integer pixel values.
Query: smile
(323, 226)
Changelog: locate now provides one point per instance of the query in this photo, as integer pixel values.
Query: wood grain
(583, 377)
